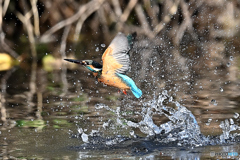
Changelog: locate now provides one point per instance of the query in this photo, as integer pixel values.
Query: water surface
(185, 112)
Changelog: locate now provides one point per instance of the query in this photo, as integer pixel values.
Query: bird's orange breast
(112, 80)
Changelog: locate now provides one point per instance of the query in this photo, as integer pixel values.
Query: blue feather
(89, 68)
(130, 83)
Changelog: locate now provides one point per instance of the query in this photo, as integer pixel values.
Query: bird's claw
(125, 92)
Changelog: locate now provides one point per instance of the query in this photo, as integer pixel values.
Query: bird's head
(89, 64)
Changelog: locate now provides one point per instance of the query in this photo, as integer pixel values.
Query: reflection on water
(184, 110)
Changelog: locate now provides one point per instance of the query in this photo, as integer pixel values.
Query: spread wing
(115, 58)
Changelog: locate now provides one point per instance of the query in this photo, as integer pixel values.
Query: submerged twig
(63, 53)
(3, 94)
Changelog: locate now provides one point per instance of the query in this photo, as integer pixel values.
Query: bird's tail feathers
(136, 91)
(129, 82)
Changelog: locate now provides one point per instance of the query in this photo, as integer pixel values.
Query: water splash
(227, 127)
(181, 128)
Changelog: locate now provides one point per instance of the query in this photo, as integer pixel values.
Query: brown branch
(108, 9)
(102, 19)
(187, 24)
(3, 10)
(123, 18)
(5, 7)
(117, 8)
(64, 39)
(172, 10)
(27, 23)
(150, 8)
(90, 6)
(6, 47)
(1, 15)
(143, 20)
(128, 10)
(36, 17)
(83, 17)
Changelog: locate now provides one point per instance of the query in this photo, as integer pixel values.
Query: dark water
(66, 114)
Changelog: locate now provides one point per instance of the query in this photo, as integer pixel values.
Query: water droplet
(231, 58)
(84, 137)
(231, 121)
(131, 133)
(236, 115)
(209, 121)
(97, 49)
(221, 89)
(214, 102)
(228, 64)
(103, 45)
(105, 125)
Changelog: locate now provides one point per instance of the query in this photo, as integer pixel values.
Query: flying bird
(116, 63)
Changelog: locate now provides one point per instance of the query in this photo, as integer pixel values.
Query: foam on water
(181, 127)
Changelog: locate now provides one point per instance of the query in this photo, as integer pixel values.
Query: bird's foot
(125, 92)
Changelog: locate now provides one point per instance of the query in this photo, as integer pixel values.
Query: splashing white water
(181, 126)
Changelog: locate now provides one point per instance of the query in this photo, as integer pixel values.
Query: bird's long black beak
(74, 61)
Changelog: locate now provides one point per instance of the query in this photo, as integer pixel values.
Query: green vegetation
(80, 98)
(79, 109)
(31, 123)
(60, 123)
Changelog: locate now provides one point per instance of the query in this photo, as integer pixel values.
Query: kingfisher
(116, 63)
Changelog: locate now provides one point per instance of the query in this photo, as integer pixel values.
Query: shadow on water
(189, 110)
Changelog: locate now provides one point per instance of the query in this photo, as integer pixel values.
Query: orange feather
(110, 65)
(109, 62)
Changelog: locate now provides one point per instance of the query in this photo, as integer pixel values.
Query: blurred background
(188, 47)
